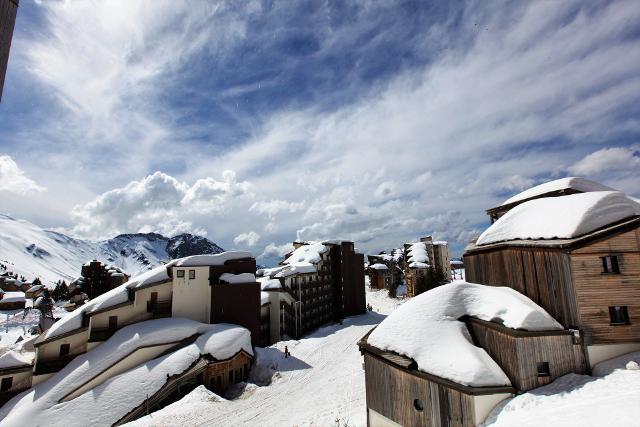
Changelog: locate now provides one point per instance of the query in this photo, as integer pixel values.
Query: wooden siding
(542, 275)
(518, 355)
(596, 291)
(8, 11)
(391, 392)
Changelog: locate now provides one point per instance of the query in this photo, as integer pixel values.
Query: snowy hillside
(28, 250)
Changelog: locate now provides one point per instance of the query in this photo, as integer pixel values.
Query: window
(619, 315)
(610, 264)
(7, 383)
(180, 274)
(543, 369)
(192, 274)
(417, 403)
(64, 350)
(113, 323)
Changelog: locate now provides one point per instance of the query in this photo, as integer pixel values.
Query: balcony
(99, 335)
(51, 366)
(159, 309)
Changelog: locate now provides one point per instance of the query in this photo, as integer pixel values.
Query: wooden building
(379, 276)
(423, 256)
(8, 12)
(590, 283)
(12, 300)
(98, 278)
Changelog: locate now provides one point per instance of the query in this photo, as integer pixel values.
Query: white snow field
(427, 330)
(581, 214)
(322, 381)
(578, 400)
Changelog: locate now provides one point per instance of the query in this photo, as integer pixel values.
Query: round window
(417, 403)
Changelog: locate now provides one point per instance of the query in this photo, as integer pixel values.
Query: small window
(619, 315)
(6, 384)
(192, 274)
(417, 403)
(64, 349)
(113, 323)
(610, 264)
(543, 369)
(180, 274)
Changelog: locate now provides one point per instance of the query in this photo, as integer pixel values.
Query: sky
(256, 123)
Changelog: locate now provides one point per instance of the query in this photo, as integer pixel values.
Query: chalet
(577, 256)
(319, 282)
(557, 188)
(379, 276)
(12, 300)
(393, 262)
(98, 278)
(421, 369)
(217, 288)
(34, 292)
(15, 374)
(422, 256)
(11, 283)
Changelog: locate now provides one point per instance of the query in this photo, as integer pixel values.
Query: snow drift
(427, 330)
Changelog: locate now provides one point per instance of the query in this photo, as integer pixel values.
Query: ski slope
(322, 383)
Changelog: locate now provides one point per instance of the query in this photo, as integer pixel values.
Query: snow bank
(620, 362)
(109, 401)
(267, 283)
(419, 265)
(238, 278)
(427, 330)
(578, 184)
(13, 297)
(119, 295)
(379, 267)
(561, 217)
(574, 400)
(264, 298)
(13, 359)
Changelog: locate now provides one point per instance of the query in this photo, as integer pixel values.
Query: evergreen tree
(61, 291)
(36, 282)
(431, 280)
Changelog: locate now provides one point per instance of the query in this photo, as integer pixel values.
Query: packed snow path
(321, 382)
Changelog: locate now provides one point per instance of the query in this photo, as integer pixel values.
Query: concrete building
(423, 256)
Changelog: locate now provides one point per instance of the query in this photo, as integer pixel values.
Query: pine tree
(61, 291)
(36, 282)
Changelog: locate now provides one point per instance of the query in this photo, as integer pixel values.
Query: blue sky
(256, 123)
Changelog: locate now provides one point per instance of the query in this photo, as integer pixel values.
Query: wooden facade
(566, 278)
(8, 12)
(521, 354)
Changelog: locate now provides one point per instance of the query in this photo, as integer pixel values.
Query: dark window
(180, 273)
(113, 323)
(192, 274)
(64, 349)
(543, 369)
(619, 315)
(610, 264)
(7, 383)
(417, 403)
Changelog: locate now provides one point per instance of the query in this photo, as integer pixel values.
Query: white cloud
(276, 251)
(615, 159)
(158, 203)
(272, 207)
(13, 179)
(247, 239)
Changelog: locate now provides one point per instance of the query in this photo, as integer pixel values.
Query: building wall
(21, 380)
(50, 351)
(542, 275)
(518, 356)
(237, 303)
(601, 352)
(192, 297)
(597, 291)
(391, 392)
(220, 375)
(8, 12)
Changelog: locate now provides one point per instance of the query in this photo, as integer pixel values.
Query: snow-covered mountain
(28, 250)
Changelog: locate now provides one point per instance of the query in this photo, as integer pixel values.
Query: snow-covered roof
(109, 401)
(264, 298)
(562, 217)
(13, 297)
(238, 278)
(13, 359)
(119, 294)
(419, 265)
(427, 330)
(379, 267)
(456, 262)
(579, 184)
(267, 283)
(304, 258)
(35, 288)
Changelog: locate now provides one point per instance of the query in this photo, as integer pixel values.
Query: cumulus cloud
(276, 251)
(272, 207)
(247, 239)
(13, 179)
(159, 202)
(615, 159)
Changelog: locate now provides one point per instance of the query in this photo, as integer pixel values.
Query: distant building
(8, 12)
(34, 291)
(98, 278)
(422, 256)
(316, 284)
(12, 300)
(379, 276)
(15, 374)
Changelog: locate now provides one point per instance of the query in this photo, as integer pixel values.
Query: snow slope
(28, 250)
(322, 381)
